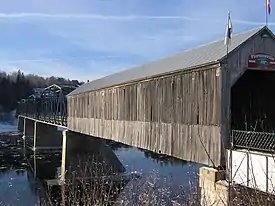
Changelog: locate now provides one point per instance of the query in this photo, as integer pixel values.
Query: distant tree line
(16, 85)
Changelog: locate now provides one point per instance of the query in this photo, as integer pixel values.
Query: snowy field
(7, 127)
(8, 123)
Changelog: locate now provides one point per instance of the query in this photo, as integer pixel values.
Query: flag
(268, 6)
(229, 30)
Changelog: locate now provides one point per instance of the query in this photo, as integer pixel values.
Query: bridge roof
(190, 59)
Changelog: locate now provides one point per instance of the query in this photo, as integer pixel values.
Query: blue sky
(88, 39)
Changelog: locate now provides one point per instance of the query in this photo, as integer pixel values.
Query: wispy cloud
(90, 16)
(88, 39)
(56, 59)
(75, 16)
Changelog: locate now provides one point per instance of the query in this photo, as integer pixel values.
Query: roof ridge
(194, 48)
(220, 39)
(200, 55)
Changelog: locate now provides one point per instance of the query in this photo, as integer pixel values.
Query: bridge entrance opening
(253, 101)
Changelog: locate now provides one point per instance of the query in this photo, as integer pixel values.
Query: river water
(25, 176)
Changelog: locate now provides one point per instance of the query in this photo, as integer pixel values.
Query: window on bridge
(253, 102)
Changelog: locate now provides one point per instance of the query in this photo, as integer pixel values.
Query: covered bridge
(184, 105)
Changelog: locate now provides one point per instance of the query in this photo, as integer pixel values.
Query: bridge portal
(253, 101)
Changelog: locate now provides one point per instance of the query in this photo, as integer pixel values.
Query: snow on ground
(7, 127)
(8, 122)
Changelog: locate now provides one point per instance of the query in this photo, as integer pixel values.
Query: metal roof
(211, 52)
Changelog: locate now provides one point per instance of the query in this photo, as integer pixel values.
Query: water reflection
(163, 159)
(29, 178)
(98, 162)
(44, 165)
(14, 184)
(164, 180)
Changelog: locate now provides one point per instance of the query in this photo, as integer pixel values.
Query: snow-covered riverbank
(8, 122)
(7, 127)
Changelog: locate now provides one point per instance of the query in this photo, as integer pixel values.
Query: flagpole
(228, 126)
(266, 12)
(228, 18)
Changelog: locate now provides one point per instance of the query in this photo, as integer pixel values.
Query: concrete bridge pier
(88, 157)
(213, 187)
(46, 137)
(28, 132)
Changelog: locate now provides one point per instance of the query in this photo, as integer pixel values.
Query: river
(26, 176)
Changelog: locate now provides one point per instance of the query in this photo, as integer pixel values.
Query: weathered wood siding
(237, 65)
(178, 115)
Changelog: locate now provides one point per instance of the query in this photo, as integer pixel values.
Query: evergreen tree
(15, 86)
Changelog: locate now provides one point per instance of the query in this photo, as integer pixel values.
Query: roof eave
(150, 77)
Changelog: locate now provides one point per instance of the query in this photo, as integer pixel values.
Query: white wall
(253, 169)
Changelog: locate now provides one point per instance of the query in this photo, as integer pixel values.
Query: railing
(48, 110)
(259, 141)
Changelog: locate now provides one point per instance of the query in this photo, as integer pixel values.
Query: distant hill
(16, 85)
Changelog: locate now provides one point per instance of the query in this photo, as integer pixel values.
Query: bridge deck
(251, 140)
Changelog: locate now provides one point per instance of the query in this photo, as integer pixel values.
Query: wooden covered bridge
(186, 105)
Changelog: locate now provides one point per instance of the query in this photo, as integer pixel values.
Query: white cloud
(81, 16)
(34, 16)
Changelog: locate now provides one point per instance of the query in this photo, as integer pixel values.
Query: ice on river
(8, 123)
(7, 127)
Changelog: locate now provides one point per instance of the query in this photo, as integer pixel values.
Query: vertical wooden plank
(169, 98)
(130, 103)
(135, 102)
(91, 104)
(206, 91)
(144, 106)
(159, 115)
(106, 104)
(201, 113)
(112, 109)
(218, 99)
(204, 98)
(115, 104)
(138, 102)
(119, 103)
(212, 97)
(86, 104)
(161, 97)
(208, 101)
(192, 98)
(183, 95)
(186, 142)
(177, 96)
(196, 88)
